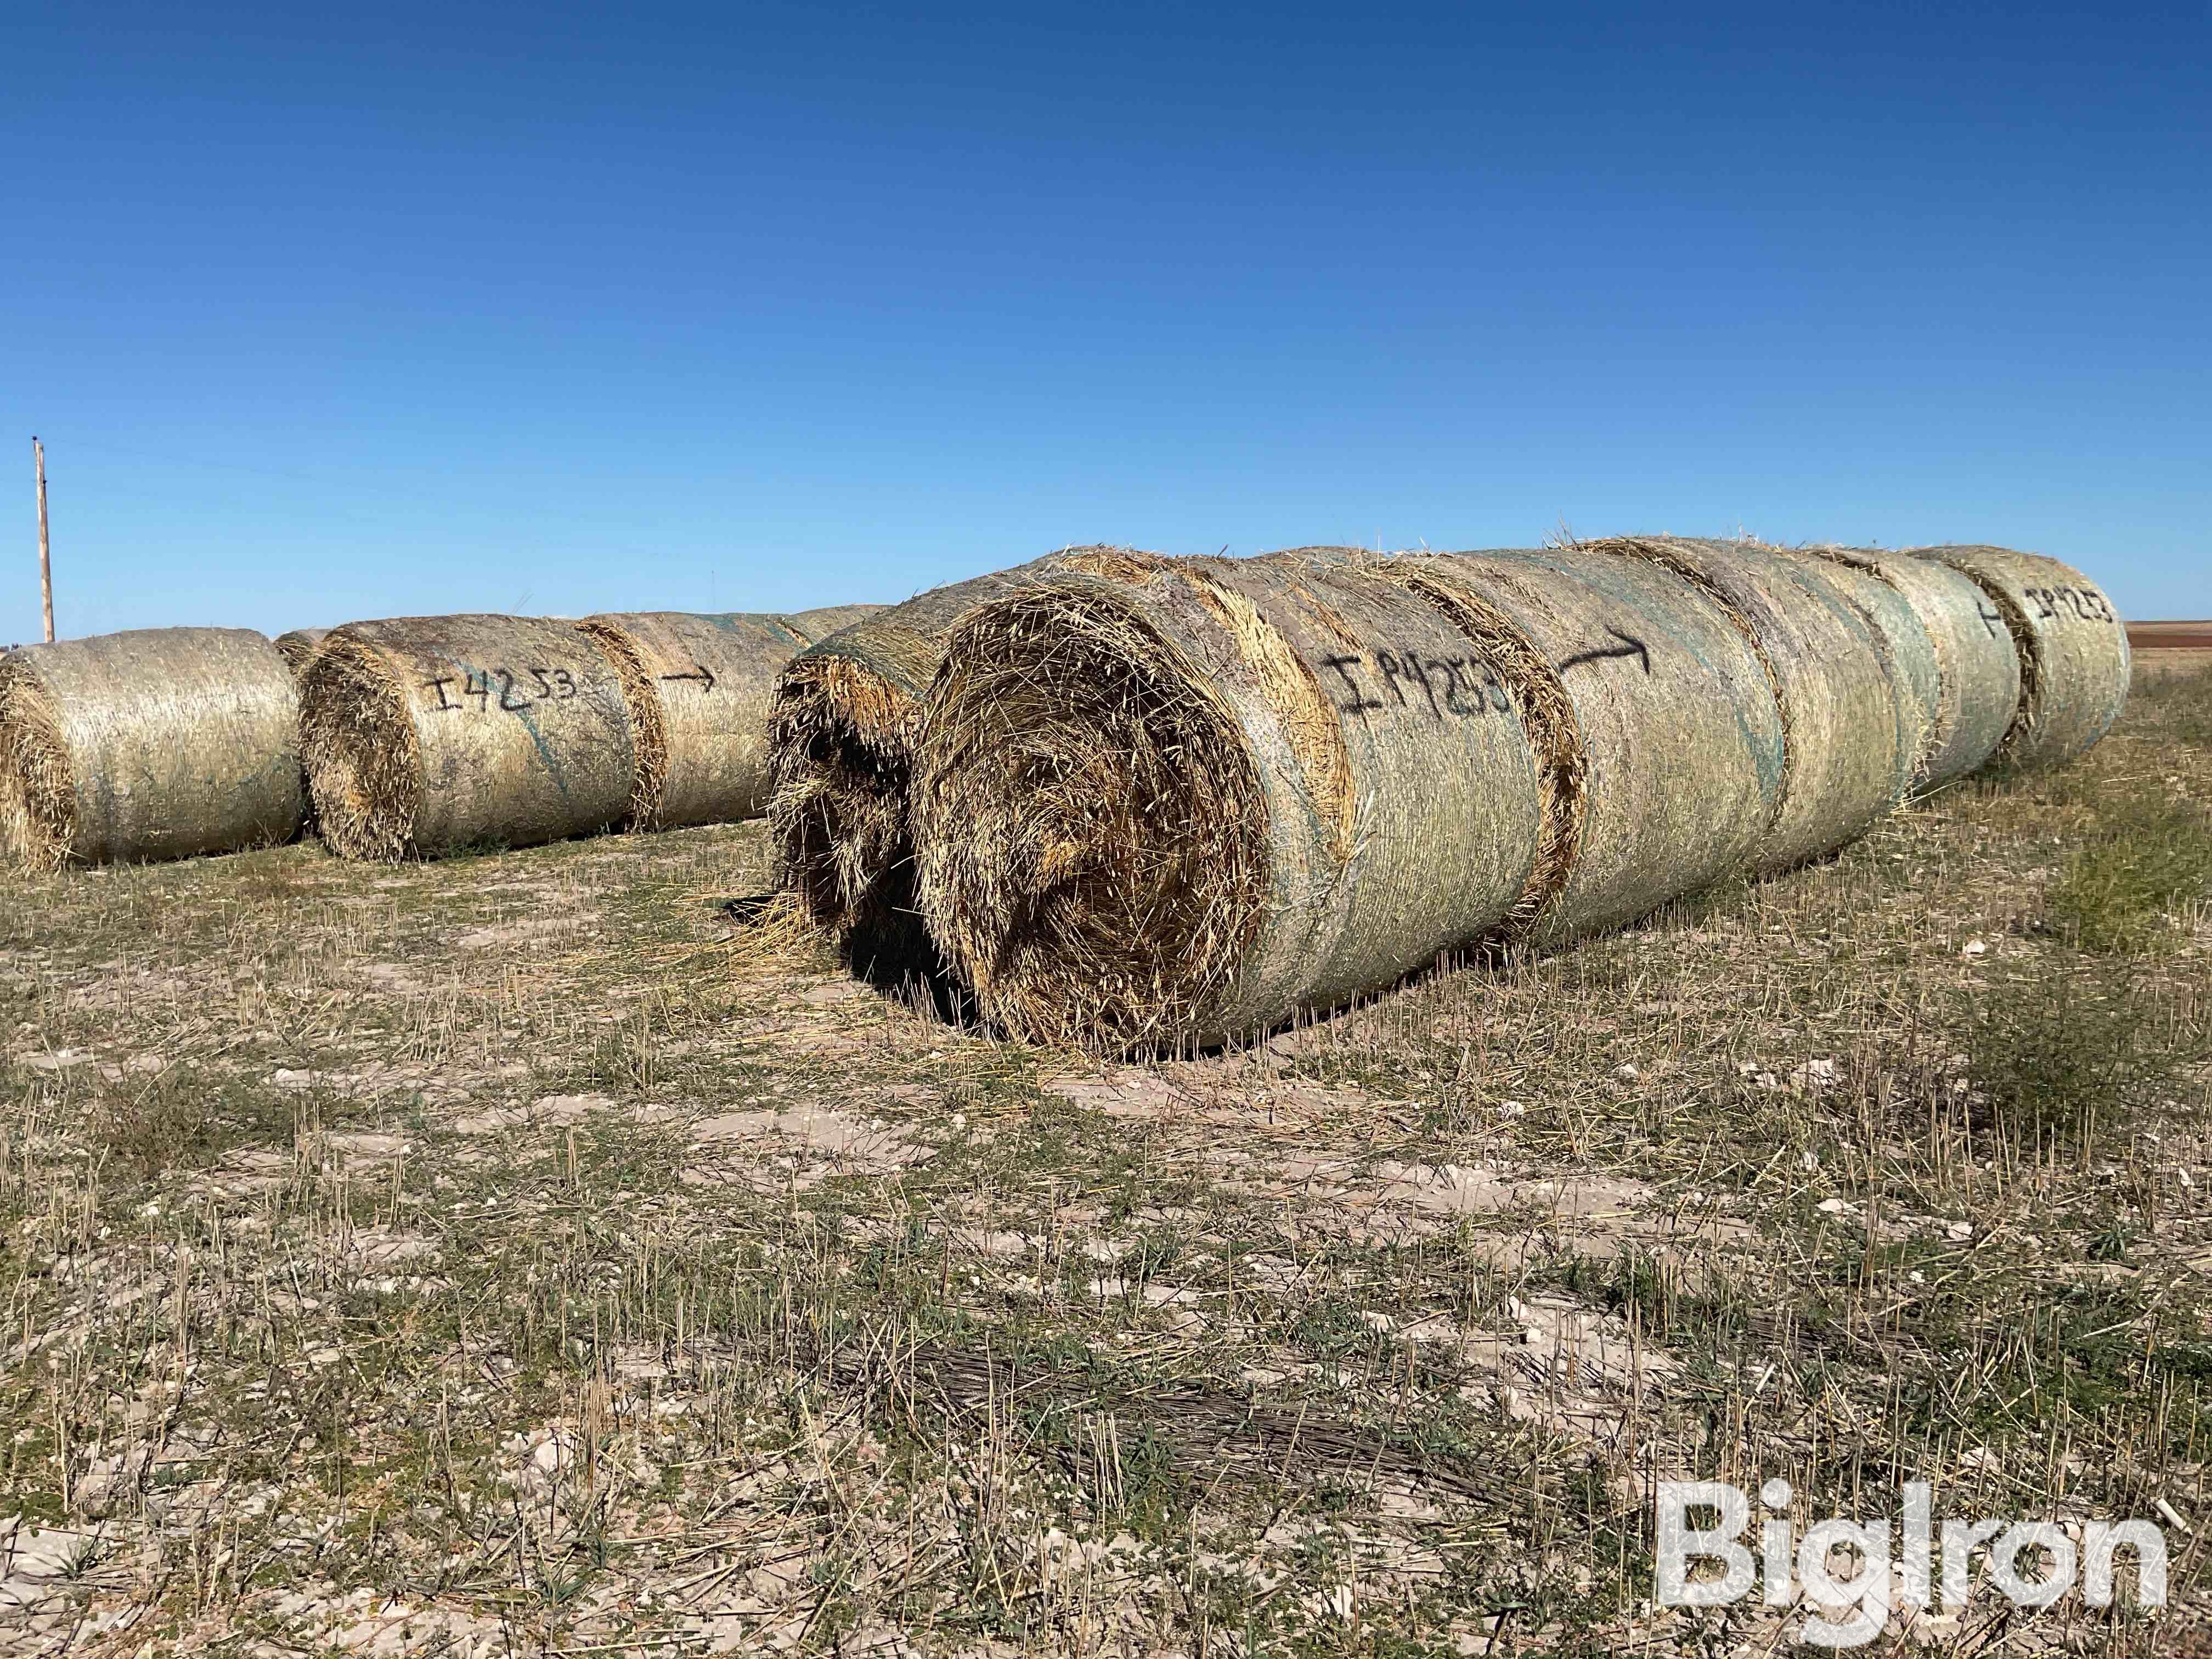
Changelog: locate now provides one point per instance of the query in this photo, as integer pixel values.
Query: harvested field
(2169, 648)
(2170, 635)
(547, 1254)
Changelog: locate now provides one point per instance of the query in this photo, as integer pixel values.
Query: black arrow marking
(1629, 647)
(704, 674)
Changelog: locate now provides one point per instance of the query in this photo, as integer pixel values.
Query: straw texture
(298, 648)
(841, 731)
(820, 624)
(2073, 650)
(698, 689)
(426, 734)
(1659, 743)
(1853, 728)
(1970, 681)
(1181, 800)
(158, 744)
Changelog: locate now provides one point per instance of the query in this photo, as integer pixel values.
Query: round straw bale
(2075, 663)
(298, 648)
(1659, 743)
(812, 626)
(1853, 728)
(158, 744)
(1184, 800)
(1970, 680)
(425, 734)
(840, 730)
(698, 689)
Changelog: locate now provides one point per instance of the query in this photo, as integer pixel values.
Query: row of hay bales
(1133, 801)
(394, 738)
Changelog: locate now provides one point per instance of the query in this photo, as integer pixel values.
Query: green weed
(2147, 853)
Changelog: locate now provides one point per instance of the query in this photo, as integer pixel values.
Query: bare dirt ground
(517, 1254)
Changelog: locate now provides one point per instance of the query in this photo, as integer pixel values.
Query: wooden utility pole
(46, 554)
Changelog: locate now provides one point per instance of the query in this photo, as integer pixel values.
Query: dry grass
(482, 1258)
(364, 756)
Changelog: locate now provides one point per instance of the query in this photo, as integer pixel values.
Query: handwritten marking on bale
(157, 744)
(426, 734)
(1128, 836)
(1852, 728)
(1659, 744)
(2075, 662)
(699, 687)
(1969, 682)
(841, 733)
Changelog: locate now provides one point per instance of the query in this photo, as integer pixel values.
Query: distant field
(2162, 647)
(2170, 635)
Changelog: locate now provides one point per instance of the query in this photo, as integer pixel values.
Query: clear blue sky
(331, 313)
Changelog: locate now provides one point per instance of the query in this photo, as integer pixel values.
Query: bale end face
(363, 758)
(838, 737)
(1092, 834)
(38, 784)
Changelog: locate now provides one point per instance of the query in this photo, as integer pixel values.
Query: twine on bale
(1658, 741)
(698, 687)
(1969, 681)
(2074, 661)
(158, 744)
(424, 735)
(1852, 729)
(1177, 804)
(841, 733)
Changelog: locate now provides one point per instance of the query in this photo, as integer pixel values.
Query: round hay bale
(1969, 680)
(158, 744)
(298, 648)
(841, 733)
(2075, 662)
(812, 626)
(698, 689)
(426, 734)
(1659, 746)
(1853, 728)
(1182, 802)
